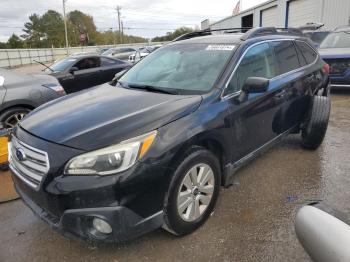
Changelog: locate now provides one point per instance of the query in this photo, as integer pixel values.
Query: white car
(121, 52)
(142, 53)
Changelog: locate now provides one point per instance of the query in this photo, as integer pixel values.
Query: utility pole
(65, 23)
(118, 8)
(121, 21)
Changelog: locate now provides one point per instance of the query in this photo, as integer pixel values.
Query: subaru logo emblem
(20, 154)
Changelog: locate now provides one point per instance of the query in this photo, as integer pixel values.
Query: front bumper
(125, 223)
(342, 80)
(127, 201)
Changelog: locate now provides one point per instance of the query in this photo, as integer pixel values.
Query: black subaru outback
(152, 148)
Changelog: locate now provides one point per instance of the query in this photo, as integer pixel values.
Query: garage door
(269, 17)
(301, 12)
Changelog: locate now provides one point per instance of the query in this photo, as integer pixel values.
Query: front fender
(207, 123)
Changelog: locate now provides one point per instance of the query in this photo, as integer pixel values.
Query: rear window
(307, 54)
(286, 56)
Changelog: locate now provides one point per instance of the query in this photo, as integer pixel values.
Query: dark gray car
(19, 94)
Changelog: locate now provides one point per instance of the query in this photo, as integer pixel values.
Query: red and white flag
(237, 8)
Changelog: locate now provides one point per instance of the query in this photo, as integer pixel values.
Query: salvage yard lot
(253, 221)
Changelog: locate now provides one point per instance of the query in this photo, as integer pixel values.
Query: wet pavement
(253, 221)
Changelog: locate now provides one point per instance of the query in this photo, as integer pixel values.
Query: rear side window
(109, 62)
(286, 56)
(307, 53)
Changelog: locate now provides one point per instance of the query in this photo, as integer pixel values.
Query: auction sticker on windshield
(220, 47)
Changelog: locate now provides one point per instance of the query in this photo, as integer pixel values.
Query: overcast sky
(147, 18)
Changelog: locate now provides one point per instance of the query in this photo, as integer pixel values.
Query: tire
(316, 124)
(10, 117)
(200, 160)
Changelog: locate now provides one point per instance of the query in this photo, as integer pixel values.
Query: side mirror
(73, 69)
(137, 57)
(253, 85)
(117, 76)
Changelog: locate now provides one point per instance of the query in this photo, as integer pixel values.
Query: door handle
(281, 94)
(310, 79)
(69, 77)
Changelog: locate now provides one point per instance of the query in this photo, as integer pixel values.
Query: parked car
(122, 53)
(101, 50)
(76, 73)
(115, 162)
(142, 53)
(19, 94)
(335, 50)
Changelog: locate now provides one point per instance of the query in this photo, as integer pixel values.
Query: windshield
(186, 68)
(336, 40)
(62, 65)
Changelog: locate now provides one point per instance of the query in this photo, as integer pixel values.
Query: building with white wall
(289, 13)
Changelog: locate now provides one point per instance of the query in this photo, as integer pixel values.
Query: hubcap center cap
(195, 191)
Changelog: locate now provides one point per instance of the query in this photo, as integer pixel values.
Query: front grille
(28, 163)
(338, 66)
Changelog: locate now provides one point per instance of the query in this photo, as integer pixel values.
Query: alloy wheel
(14, 119)
(195, 192)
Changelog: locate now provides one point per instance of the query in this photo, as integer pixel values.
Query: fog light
(101, 226)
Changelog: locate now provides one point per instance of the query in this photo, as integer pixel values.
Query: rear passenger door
(295, 81)
(109, 67)
(307, 57)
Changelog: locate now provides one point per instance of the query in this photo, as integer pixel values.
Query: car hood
(334, 53)
(13, 80)
(105, 115)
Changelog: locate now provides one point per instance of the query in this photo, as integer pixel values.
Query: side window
(109, 62)
(258, 61)
(302, 60)
(87, 63)
(307, 52)
(116, 51)
(286, 56)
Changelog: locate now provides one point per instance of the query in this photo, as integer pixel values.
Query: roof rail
(261, 31)
(311, 26)
(205, 32)
(249, 32)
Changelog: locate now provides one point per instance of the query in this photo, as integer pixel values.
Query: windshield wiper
(152, 89)
(43, 65)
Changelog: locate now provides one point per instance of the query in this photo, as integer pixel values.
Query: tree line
(47, 30)
(172, 35)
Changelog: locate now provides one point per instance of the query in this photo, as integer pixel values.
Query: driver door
(252, 120)
(87, 75)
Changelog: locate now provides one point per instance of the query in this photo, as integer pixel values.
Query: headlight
(112, 159)
(56, 87)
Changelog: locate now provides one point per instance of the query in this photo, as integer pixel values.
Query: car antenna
(43, 65)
